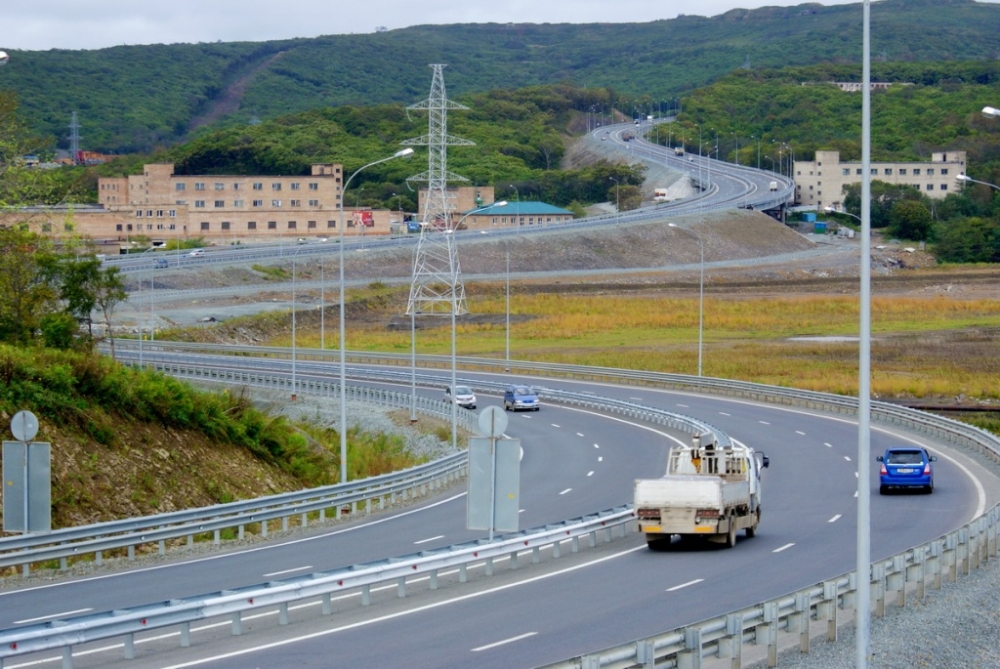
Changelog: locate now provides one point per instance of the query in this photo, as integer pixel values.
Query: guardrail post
(963, 550)
(67, 657)
(322, 516)
(949, 557)
(401, 587)
(829, 609)
(897, 579)
(645, 653)
(434, 579)
(915, 572)
(99, 558)
(185, 635)
(283, 613)
(799, 621)
(217, 537)
(161, 547)
(239, 531)
(975, 544)
(489, 566)
(463, 573)
(555, 548)
(263, 528)
(991, 541)
(366, 595)
(934, 563)
(877, 585)
(129, 646)
(64, 563)
(731, 645)
(690, 657)
(131, 553)
(327, 606)
(284, 523)
(513, 559)
(237, 624)
(770, 632)
(575, 544)
(535, 555)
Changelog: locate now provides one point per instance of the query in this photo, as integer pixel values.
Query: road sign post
(494, 476)
(27, 478)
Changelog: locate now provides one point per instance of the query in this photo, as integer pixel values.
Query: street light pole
(343, 356)
(507, 305)
(617, 209)
(701, 292)
(961, 178)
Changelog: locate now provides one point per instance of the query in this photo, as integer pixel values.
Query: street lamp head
(4, 58)
(991, 112)
(405, 153)
(962, 177)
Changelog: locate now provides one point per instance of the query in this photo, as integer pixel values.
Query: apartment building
(822, 182)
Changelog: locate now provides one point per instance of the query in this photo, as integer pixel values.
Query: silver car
(464, 397)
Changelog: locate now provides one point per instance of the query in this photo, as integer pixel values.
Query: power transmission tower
(437, 286)
(74, 140)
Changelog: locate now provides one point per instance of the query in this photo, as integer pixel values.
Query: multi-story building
(822, 182)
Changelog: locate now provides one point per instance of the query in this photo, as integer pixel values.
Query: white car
(197, 253)
(464, 397)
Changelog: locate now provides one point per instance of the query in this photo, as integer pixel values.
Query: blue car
(906, 467)
(520, 397)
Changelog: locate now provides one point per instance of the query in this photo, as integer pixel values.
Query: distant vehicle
(161, 263)
(303, 240)
(773, 185)
(906, 467)
(464, 397)
(679, 150)
(520, 397)
(322, 240)
(197, 253)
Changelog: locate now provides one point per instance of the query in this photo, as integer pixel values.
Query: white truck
(773, 185)
(707, 491)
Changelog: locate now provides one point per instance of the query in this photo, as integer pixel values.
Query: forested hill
(136, 98)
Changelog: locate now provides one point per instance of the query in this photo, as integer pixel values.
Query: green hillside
(137, 98)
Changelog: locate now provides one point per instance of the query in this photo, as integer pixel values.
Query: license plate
(904, 470)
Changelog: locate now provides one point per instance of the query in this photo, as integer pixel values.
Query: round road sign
(492, 421)
(24, 425)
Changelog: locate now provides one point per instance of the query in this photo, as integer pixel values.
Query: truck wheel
(731, 534)
(752, 530)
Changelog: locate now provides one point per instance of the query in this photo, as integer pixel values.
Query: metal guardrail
(66, 633)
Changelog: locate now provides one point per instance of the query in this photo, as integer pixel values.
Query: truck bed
(696, 491)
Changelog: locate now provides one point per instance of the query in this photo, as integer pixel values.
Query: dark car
(518, 397)
(906, 467)
(161, 263)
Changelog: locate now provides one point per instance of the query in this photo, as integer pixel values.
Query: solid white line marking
(426, 541)
(287, 571)
(590, 473)
(565, 491)
(635, 399)
(828, 444)
(505, 641)
(785, 547)
(847, 457)
(54, 616)
(763, 422)
(684, 585)
(834, 519)
(800, 432)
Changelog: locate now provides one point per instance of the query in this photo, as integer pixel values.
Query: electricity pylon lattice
(74, 140)
(437, 286)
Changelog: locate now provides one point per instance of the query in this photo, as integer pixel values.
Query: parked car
(161, 263)
(197, 253)
(518, 397)
(464, 397)
(906, 467)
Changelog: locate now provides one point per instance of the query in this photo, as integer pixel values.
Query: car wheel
(883, 489)
(751, 531)
(929, 489)
(506, 407)
(731, 534)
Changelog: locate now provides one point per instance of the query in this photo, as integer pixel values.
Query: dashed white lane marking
(684, 585)
(597, 446)
(847, 457)
(425, 541)
(579, 434)
(723, 413)
(554, 425)
(600, 459)
(565, 491)
(828, 444)
(54, 616)
(683, 406)
(590, 473)
(800, 432)
(505, 641)
(763, 422)
(785, 547)
(834, 519)
(288, 571)
(636, 399)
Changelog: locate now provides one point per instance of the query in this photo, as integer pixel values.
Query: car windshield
(463, 390)
(523, 390)
(904, 457)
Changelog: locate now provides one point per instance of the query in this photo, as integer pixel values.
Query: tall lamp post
(617, 212)
(343, 356)
(962, 178)
(141, 256)
(701, 292)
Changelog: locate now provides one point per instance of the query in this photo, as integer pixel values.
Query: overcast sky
(93, 24)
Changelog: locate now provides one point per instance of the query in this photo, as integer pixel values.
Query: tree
(79, 278)
(909, 219)
(883, 197)
(109, 291)
(28, 284)
(968, 240)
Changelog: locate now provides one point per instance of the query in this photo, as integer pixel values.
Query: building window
(181, 202)
(295, 185)
(858, 172)
(846, 171)
(220, 186)
(225, 225)
(272, 225)
(258, 185)
(944, 171)
(199, 204)
(930, 186)
(199, 186)
(276, 185)
(237, 203)
(118, 227)
(138, 213)
(874, 171)
(251, 225)
(179, 186)
(219, 204)
(292, 225)
(916, 171)
(313, 203)
(172, 213)
(331, 224)
(275, 203)
(888, 171)
(350, 222)
(902, 171)
(313, 186)
(258, 203)
(311, 225)
(944, 186)
(204, 225)
(930, 171)
(172, 226)
(159, 226)
(295, 203)
(128, 228)
(236, 186)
